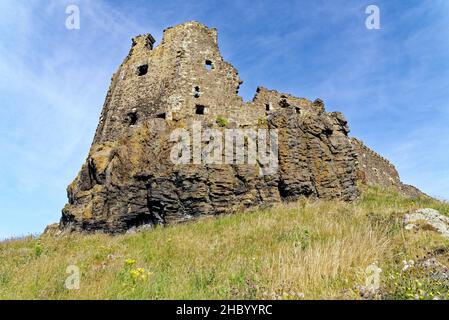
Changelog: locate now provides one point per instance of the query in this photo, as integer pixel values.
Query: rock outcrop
(430, 218)
(130, 178)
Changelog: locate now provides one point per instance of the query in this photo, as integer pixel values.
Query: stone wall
(375, 170)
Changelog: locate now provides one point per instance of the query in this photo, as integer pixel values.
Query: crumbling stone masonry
(128, 179)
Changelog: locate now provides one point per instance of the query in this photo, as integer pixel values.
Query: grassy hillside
(303, 250)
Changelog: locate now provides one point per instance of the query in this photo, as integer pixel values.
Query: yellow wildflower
(130, 262)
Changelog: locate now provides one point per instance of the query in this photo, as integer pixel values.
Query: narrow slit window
(267, 107)
(196, 94)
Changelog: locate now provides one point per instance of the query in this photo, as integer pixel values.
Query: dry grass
(316, 249)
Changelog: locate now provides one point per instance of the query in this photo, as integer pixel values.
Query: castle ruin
(128, 179)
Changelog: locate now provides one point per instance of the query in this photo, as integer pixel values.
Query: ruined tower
(129, 179)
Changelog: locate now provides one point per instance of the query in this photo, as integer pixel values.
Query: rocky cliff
(133, 177)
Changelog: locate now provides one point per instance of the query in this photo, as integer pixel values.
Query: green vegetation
(262, 123)
(222, 121)
(303, 250)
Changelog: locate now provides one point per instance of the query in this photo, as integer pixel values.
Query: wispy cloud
(53, 85)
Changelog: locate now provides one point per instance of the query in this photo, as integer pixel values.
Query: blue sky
(392, 84)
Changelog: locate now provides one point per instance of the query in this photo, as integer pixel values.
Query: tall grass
(308, 249)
